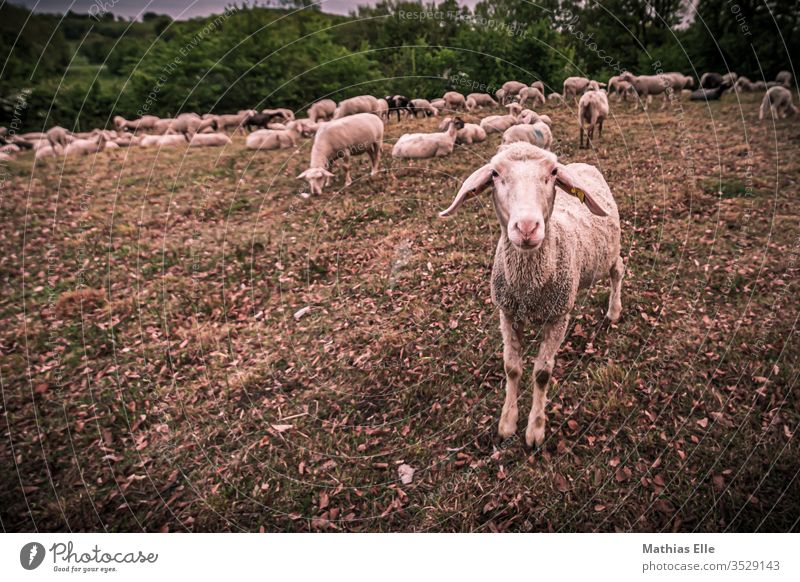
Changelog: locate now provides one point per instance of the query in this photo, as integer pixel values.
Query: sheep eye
(495, 174)
(554, 172)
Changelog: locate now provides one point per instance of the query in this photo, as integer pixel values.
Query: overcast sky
(175, 8)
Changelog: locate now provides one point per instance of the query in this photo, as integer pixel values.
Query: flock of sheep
(559, 224)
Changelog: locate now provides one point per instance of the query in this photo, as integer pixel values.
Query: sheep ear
(567, 182)
(472, 186)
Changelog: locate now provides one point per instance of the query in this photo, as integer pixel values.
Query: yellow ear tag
(579, 193)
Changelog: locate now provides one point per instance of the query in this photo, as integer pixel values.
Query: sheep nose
(527, 228)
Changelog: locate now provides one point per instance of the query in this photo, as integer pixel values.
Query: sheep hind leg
(615, 297)
(346, 166)
(512, 362)
(375, 157)
(553, 336)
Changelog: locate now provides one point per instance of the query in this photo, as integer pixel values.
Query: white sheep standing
(455, 100)
(322, 110)
(355, 105)
(339, 139)
(538, 133)
(58, 136)
(531, 93)
(550, 247)
(777, 100)
(592, 112)
(428, 145)
(647, 85)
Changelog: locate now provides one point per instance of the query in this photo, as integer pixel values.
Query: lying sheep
(592, 112)
(287, 114)
(305, 126)
(424, 107)
(428, 145)
(529, 117)
(169, 140)
(455, 100)
(355, 105)
(778, 101)
(322, 110)
(209, 140)
(268, 139)
(339, 139)
(550, 247)
(480, 100)
(537, 134)
(500, 123)
(83, 147)
(262, 120)
(469, 134)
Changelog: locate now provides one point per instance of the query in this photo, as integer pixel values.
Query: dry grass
(194, 400)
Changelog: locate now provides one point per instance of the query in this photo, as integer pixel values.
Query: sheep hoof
(613, 315)
(534, 434)
(508, 425)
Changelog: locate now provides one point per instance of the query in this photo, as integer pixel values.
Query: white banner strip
(400, 557)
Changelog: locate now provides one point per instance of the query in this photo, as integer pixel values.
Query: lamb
(480, 100)
(428, 145)
(209, 140)
(322, 110)
(469, 134)
(555, 99)
(531, 93)
(500, 123)
(777, 100)
(350, 135)
(424, 107)
(455, 100)
(355, 105)
(268, 139)
(58, 136)
(538, 134)
(646, 85)
(550, 247)
(592, 111)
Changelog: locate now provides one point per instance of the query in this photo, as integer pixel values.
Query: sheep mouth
(527, 246)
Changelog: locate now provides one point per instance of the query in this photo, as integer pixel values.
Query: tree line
(78, 71)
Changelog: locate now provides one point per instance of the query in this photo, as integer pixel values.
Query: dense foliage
(78, 71)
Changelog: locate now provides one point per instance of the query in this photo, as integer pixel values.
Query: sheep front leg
(346, 166)
(615, 299)
(375, 157)
(512, 362)
(553, 336)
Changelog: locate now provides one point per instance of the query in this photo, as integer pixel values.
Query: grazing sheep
(573, 87)
(262, 120)
(538, 134)
(550, 247)
(531, 93)
(538, 85)
(455, 100)
(500, 95)
(784, 78)
(268, 139)
(169, 140)
(500, 123)
(744, 85)
(424, 107)
(382, 110)
(355, 105)
(58, 136)
(239, 120)
(209, 140)
(469, 134)
(145, 122)
(428, 145)
(287, 114)
(480, 100)
(350, 135)
(592, 112)
(777, 100)
(510, 89)
(646, 85)
(398, 104)
(555, 99)
(322, 110)
(439, 104)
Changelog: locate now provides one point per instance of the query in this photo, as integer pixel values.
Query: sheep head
(317, 178)
(524, 179)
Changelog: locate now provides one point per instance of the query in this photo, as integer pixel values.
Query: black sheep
(263, 120)
(397, 104)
